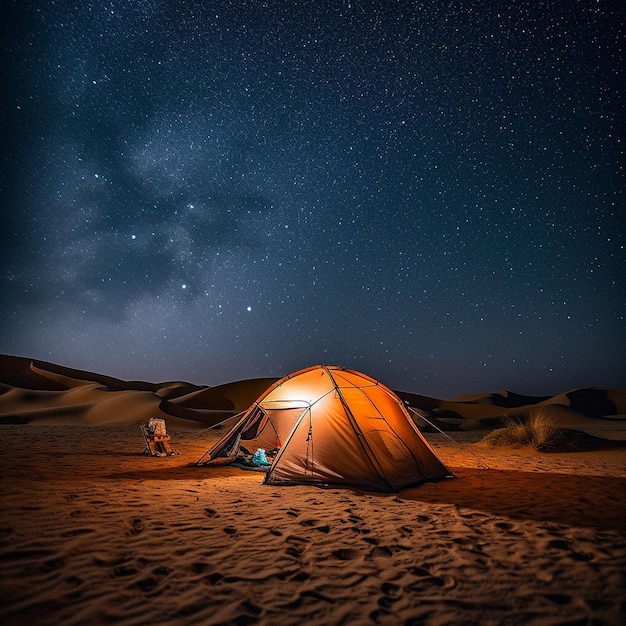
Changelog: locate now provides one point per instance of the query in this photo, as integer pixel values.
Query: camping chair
(157, 439)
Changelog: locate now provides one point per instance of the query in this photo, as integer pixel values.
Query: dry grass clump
(536, 430)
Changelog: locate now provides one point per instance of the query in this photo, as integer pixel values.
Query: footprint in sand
(307, 598)
(250, 613)
(296, 545)
(426, 580)
(323, 528)
(345, 554)
(314, 502)
(391, 594)
(199, 567)
(135, 527)
(121, 571)
(380, 551)
(150, 582)
(563, 544)
(509, 528)
(559, 544)
(214, 578)
(294, 552)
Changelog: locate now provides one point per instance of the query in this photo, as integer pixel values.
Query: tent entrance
(266, 428)
(272, 427)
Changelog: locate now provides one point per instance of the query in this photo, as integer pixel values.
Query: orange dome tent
(332, 426)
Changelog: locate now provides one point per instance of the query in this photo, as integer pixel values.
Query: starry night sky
(428, 192)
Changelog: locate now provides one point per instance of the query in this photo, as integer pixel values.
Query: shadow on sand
(549, 497)
(565, 499)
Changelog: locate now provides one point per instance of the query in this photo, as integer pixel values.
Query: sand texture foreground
(93, 532)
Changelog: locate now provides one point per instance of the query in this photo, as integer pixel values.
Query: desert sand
(94, 532)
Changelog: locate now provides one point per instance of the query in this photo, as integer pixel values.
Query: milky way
(428, 192)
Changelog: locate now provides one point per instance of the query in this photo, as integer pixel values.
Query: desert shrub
(536, 430)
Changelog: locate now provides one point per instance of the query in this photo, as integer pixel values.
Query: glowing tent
(331, 425)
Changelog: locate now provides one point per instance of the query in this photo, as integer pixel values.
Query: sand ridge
(39, 392)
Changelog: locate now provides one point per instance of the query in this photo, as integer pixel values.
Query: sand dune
(43, 393)
(237, 396)
(579, 407)
(94, 532)
(32, 391)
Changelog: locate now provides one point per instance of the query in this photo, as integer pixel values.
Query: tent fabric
(333, 426)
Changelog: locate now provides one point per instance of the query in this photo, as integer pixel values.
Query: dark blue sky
(429, 192)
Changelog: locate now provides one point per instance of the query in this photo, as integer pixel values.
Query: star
(419, 186)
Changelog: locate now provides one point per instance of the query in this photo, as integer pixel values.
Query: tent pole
(243, 415)
(359, 433)
(285, 443)
(232, 417)
(195, 433)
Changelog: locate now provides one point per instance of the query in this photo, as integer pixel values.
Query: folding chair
(157, 439)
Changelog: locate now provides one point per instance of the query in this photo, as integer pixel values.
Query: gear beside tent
(157, 439)
(329, 425)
